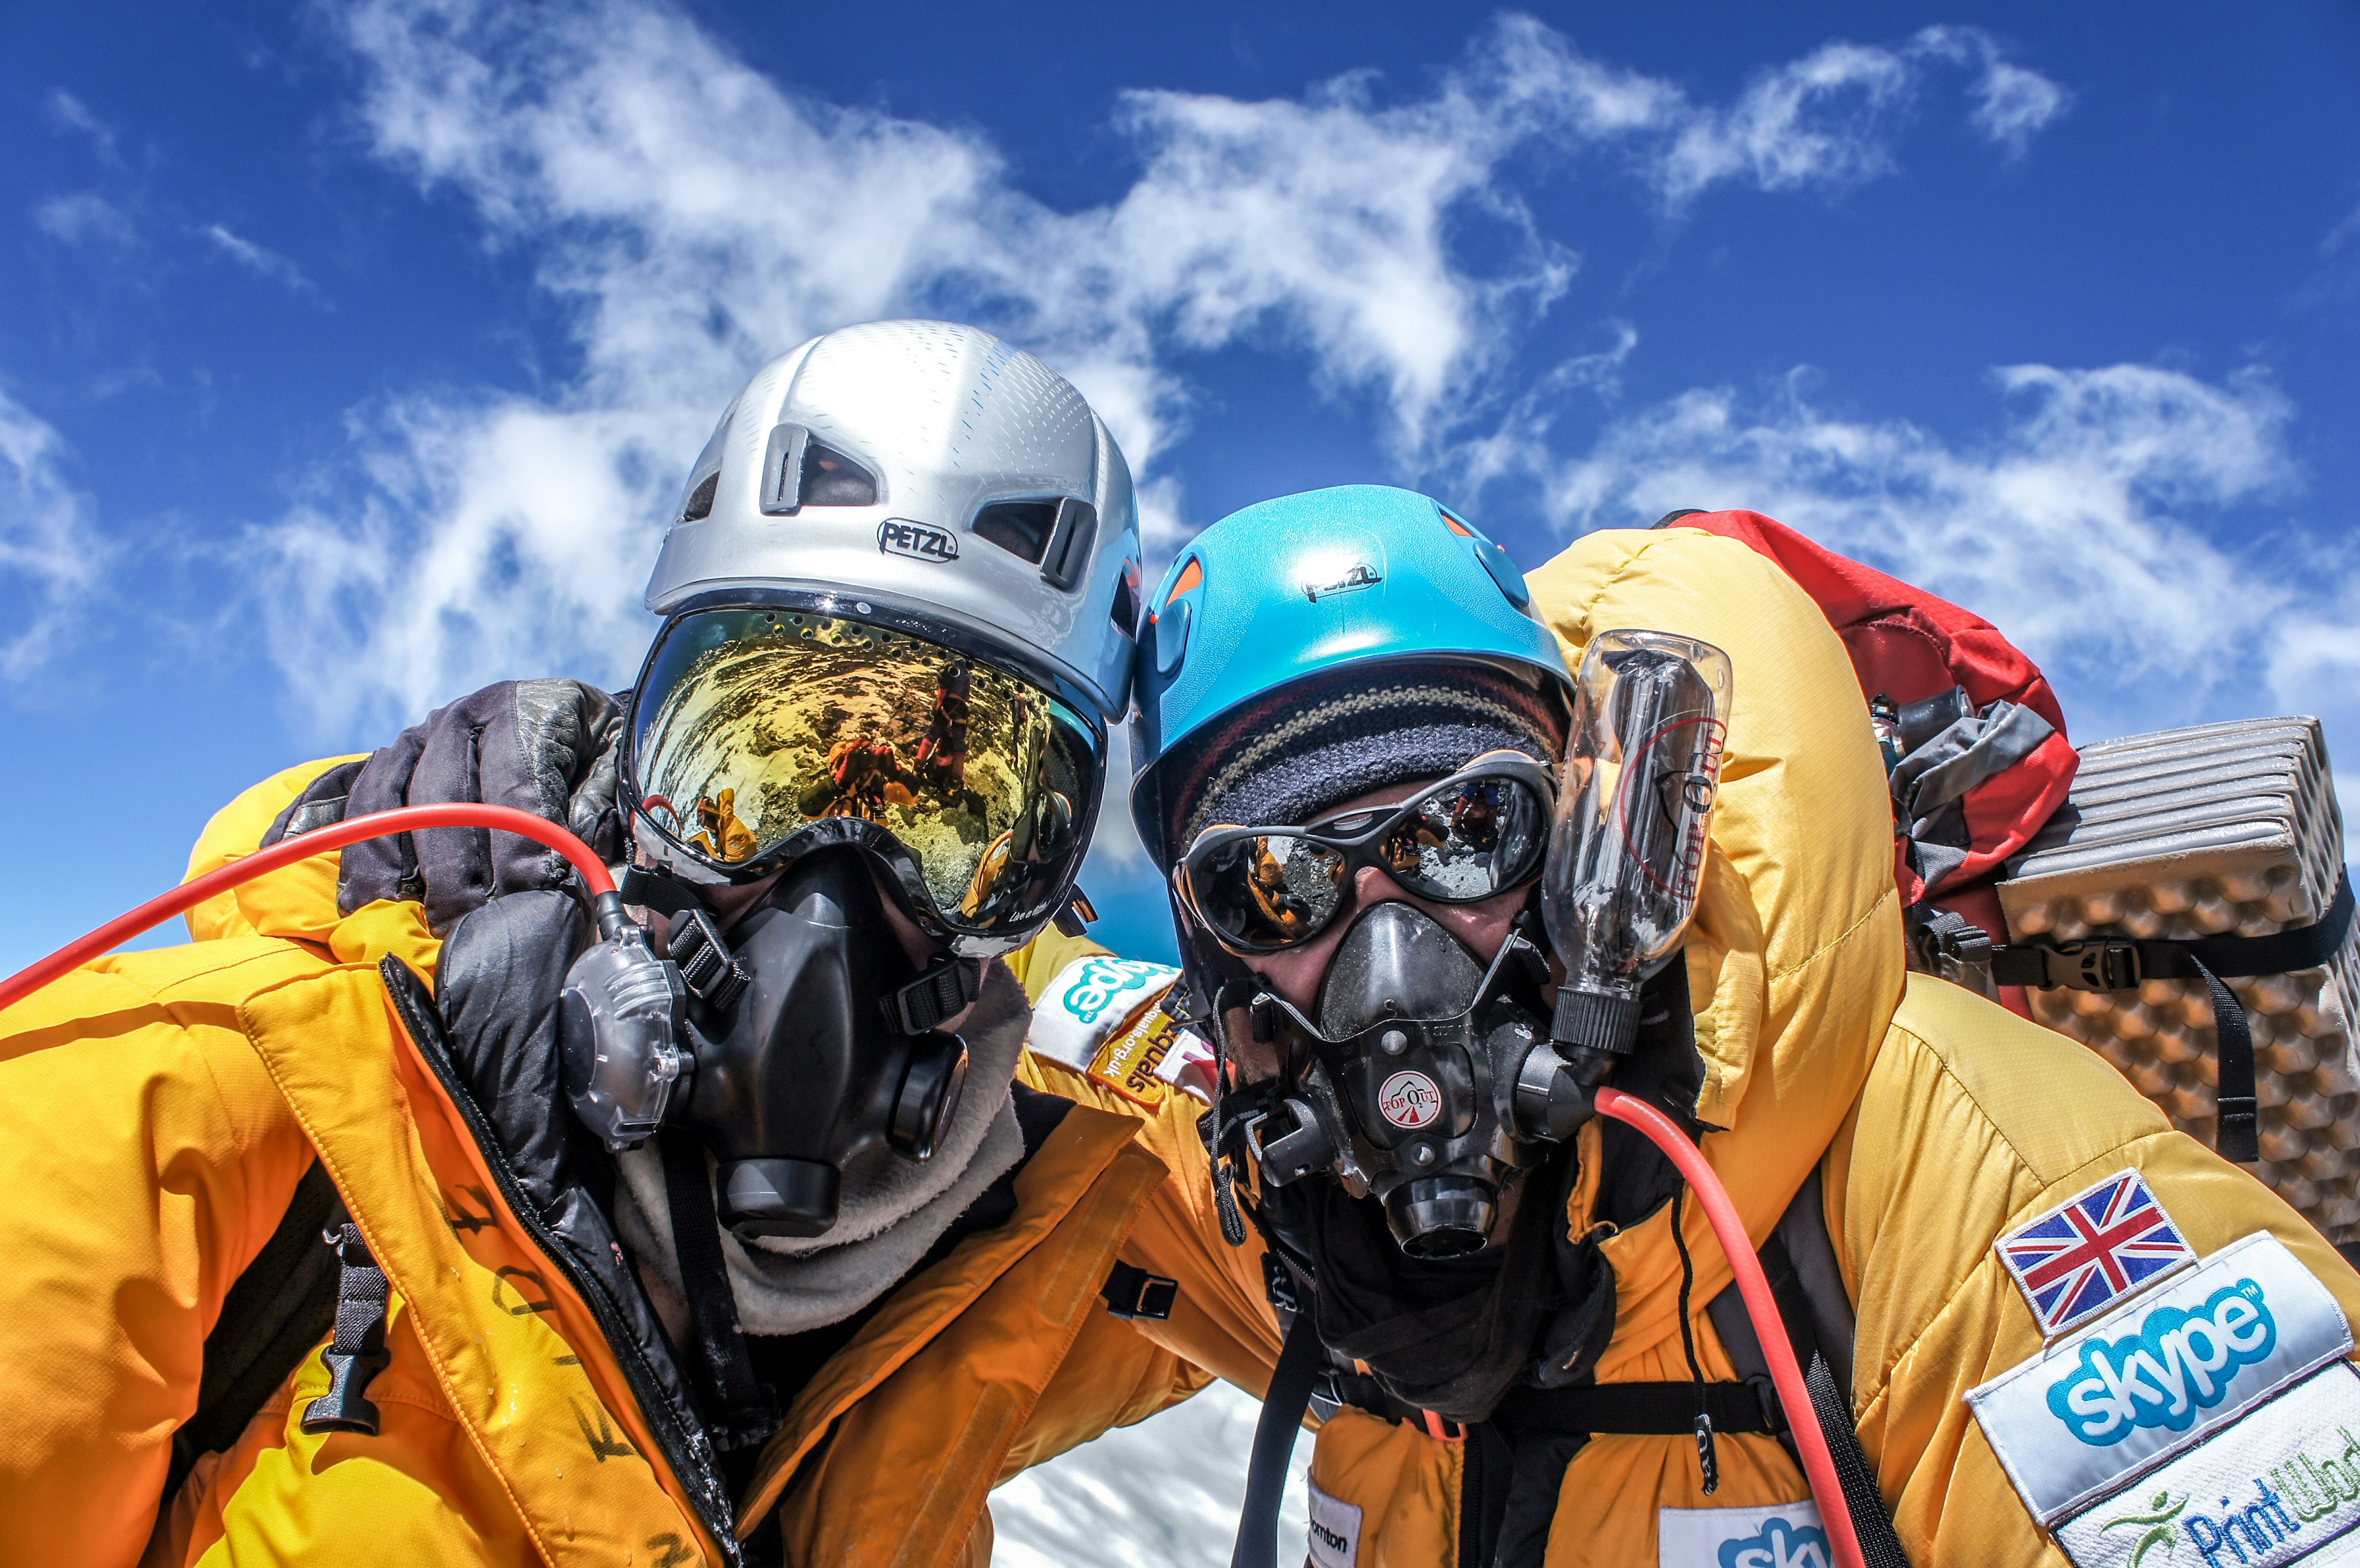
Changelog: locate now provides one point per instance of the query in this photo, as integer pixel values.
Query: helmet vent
(1020, 528)
(1125, 613)
(832, 479)
(699, 505)
(800, 470)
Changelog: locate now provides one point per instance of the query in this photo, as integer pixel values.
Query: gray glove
(550, 747)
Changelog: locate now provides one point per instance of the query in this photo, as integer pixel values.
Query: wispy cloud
(49, 552)
(2013, 104)
(1826, 119)
(696, 217)
(257, 259)
(86, 218)
(68, 112)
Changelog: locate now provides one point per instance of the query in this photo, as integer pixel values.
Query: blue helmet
(1294, 588)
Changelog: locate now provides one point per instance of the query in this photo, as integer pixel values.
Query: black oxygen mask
(781, 1049)
(808, 1073)
(1425, 1078)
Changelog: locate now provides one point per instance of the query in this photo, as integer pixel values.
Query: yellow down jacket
(161, 1107)
(1938, 1120)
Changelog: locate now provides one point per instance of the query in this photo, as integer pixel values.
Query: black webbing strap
(2237, 1109)
(943, 991)
(2123, 963)
(648, 889)
(1880, 1545)
(738, 1410)
(356, 1354)
(1644, 1410)
(1274, 1444)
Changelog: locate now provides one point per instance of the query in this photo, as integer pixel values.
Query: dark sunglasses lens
(1469, 840)
(1267, 889)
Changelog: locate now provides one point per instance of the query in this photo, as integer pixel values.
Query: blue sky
(350, 356)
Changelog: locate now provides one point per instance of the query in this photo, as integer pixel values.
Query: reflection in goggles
(752, 725)
(1465, 840)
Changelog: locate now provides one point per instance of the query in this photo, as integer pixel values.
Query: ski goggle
(1481, 831)
(759, 734)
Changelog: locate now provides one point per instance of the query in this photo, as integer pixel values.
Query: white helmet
(931, 470)
(898, 604)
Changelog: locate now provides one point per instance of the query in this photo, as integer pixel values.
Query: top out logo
(1409, 1099)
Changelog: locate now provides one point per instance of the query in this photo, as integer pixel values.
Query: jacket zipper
(665, 1418)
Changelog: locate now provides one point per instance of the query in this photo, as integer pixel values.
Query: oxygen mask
(794, 1048)
(1626, 852)
(1424, 1080)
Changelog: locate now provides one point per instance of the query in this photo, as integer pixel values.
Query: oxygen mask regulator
(809, 1043)
(1425, 1075)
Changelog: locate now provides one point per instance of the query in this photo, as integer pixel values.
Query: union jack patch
(2092, 1250)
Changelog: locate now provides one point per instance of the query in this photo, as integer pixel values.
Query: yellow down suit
(1938, 1120)
(161, 1107)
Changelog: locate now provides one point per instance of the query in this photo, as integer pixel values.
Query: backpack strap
(1800, 1259)
(357, 1352)
(281, 1307)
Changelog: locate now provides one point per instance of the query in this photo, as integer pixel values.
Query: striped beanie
(1305, 748)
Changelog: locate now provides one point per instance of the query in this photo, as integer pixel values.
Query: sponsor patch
(1189, 1066)
(1777, 1535)
(1335, 1531)
(2091, 1250)
(2158, 1374)
(2280, 1484)
(1089, 1003)
(1128, 1062)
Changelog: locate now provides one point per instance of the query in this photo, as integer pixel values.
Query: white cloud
(49, 549)
(86, 217)
(1815, 121)
(1826, 119)
(2012, 104)
(257, 259)
(68, 112)
(2078, 527)
(696, 217)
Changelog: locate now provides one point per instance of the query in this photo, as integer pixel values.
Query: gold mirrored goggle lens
(754, 724)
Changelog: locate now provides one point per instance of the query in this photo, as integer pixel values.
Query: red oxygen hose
(319, 841)
(1819, 1464)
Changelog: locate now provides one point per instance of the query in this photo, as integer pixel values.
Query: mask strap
(944, 991)
(658, 890)
(740, 1412)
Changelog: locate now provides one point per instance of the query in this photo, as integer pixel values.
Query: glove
(550, 747)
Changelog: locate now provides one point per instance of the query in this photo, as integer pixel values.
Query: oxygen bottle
(1634, 806)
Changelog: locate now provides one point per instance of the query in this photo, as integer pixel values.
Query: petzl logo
(1779, 1545)
(1359, 575)
(2175, 1364)
(897, 536)
(1409, 1100)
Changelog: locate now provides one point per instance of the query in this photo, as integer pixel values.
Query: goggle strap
(944, 991)
(659, 890)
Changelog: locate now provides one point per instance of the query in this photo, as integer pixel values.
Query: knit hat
(1304, 749)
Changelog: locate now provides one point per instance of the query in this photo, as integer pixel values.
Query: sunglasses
(1481, 831)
